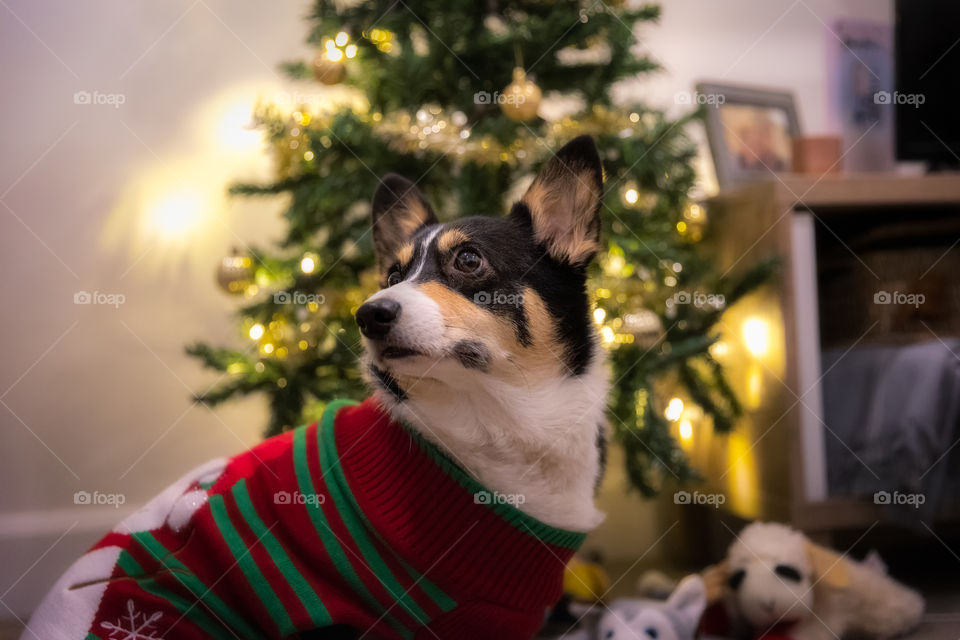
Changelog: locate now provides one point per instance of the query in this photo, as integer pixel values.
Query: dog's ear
(398, 210)
(829, 567)
(563, 203)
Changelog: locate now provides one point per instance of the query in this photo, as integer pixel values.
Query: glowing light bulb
(333, 54)
(686, 430)
(756, 336)
(674, 409)
(308, 264)
(256, 331)
(598, 315)
(607, 334)
(351, 50)
(631, 196)
(342, 38)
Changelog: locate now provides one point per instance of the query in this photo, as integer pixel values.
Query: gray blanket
(893, 424)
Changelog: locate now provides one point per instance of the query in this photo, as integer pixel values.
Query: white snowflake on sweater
(133, 626)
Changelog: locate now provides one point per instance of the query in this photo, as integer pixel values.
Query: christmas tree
(449, 95)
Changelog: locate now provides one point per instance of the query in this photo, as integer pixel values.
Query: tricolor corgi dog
(445, 506)
(481, 336)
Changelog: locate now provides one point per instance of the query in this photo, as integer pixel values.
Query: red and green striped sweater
(356, 521)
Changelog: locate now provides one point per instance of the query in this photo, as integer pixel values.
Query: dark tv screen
(927, 81)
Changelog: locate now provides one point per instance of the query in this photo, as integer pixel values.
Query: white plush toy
(676, 618)
(783, 586)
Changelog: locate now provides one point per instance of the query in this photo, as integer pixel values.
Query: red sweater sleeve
(480, 620)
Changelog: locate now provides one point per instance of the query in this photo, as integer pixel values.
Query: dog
(447, 504)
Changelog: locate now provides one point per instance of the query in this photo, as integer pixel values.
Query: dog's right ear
(398, 210)
(562, 204)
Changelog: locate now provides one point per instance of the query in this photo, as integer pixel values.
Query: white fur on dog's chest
(536, 447)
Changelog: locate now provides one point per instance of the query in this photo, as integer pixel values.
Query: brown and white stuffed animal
(780, 585)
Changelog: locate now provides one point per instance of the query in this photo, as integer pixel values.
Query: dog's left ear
(829, 567)
(398, 210)
(563, 203)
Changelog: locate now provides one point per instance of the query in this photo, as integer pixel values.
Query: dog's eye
(651, 632)
(393, 277)
(788, 572)
(467, 261)
(736, 578)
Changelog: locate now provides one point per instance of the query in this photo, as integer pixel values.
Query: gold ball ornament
(328, 70)
(521, 99)
(235, 273)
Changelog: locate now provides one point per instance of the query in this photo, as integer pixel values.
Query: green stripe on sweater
(186, 608)
(195, 586)
(346, 506)
(330, 543)
(300, 585)
(248, 566)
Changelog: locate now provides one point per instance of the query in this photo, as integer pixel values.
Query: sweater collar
(438, 518)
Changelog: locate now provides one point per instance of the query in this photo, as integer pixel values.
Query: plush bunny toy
(639, 619)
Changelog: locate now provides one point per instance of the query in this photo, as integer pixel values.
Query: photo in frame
(750, 131)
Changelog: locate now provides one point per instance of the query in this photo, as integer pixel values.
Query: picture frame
(750, 131)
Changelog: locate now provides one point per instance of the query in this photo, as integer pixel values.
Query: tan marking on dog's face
(405, 255)
(511, 360)
(450, 239)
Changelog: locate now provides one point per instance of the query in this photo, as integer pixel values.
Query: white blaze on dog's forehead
(423, 257)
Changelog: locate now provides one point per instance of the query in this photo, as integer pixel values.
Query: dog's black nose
(377, 316)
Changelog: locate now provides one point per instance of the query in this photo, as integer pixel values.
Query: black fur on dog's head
(502, 296)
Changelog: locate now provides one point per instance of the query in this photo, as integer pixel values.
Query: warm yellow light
(235, 128)
(342, 38)
(682, 226)
(719, 349)
(598, 315)
(308, 264)
(674, 409)
(631, 196)
(756, 336)
(175, 214)
(686, 430)
(308, 156)
(634, 117)
(268, 348)
(303, 345)
(351, 50)
(256, 331)
(236, 367)
(333, 54)
(607, 334)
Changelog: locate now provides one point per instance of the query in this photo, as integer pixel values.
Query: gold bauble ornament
(235, 273)
(328, 70)
(521, 99)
